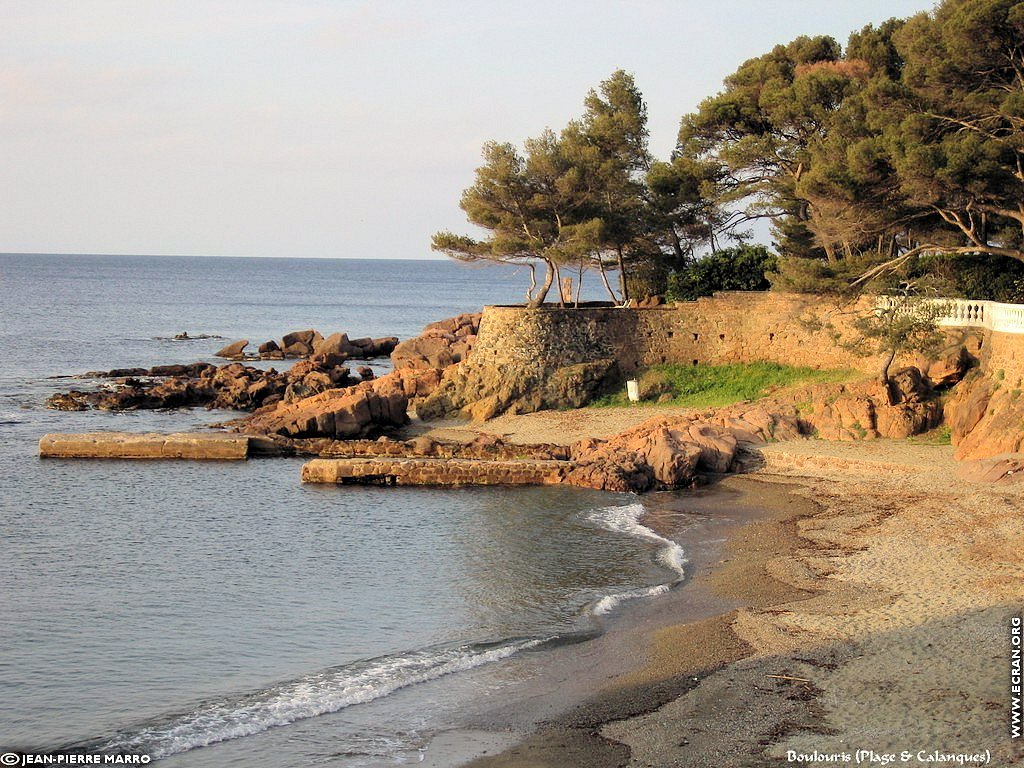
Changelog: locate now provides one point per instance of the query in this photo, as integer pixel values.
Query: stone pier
(153, 445)
(433, 471)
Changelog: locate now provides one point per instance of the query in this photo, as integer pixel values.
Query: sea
(225, 614)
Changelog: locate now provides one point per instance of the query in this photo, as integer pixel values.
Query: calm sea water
(225, 614)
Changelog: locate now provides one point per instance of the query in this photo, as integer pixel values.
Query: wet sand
(866, 608)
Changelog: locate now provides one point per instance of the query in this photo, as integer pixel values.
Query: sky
(327, 128)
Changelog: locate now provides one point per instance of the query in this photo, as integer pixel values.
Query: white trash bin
(633, 390)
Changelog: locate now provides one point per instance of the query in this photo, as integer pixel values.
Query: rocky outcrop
(414, 383)
(298, 344)
(440, 345)
(951, 364)
(669, 452)
(484, 391)
(365, 348)
(660, 453)
(1005, 468)
(986, 416)
(861, 410)
(370, 407)
(233, 386)
(269, 350)
(334, 413)
(240, 387)
(233, 350)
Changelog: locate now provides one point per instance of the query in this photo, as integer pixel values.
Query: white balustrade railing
(970, 313)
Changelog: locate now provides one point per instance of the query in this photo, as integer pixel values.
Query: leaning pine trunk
(830, 253)
(604, 279)
(886, 381)
(622, 277)
(549, 278)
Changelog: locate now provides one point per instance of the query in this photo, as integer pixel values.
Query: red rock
(967, 406)
(384, 346)
(950, 367)
(336, 413)
(336, 343)
(300, 343)
(441, 344)
(423, 352)
(998, 430)
(232, 350)
(1003, 468)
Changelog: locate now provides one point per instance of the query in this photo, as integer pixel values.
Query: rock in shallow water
(233, 350)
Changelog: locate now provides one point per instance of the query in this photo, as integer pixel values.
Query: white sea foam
(317, 694)
(626, 520)
(608, 603)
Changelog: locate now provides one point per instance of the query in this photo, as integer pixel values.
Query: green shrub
(646, 275)
(975, 276)
(939, 436)
(741, 268)
(817, 276)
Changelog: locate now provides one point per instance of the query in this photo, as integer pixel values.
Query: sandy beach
(865, 610)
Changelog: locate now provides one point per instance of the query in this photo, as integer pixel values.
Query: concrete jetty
(153, 445)
(433, 471)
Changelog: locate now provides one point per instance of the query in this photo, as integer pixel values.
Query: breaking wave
(626, 520)
(320, 693)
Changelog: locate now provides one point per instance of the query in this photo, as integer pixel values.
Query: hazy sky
(326, 128)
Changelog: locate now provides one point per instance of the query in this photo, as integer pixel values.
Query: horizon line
(223, 256)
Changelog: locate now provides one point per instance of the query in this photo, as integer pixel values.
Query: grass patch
(938, 436)
(709, 386)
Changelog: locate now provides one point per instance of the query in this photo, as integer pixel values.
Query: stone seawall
(531, 359)
(731, 327)
(728, 328)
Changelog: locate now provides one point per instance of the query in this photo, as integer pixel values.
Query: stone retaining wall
(728, 328)
(731, 327)
(1005, 352)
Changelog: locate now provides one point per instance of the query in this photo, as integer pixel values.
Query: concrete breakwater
(204, 446)
(434, 471)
